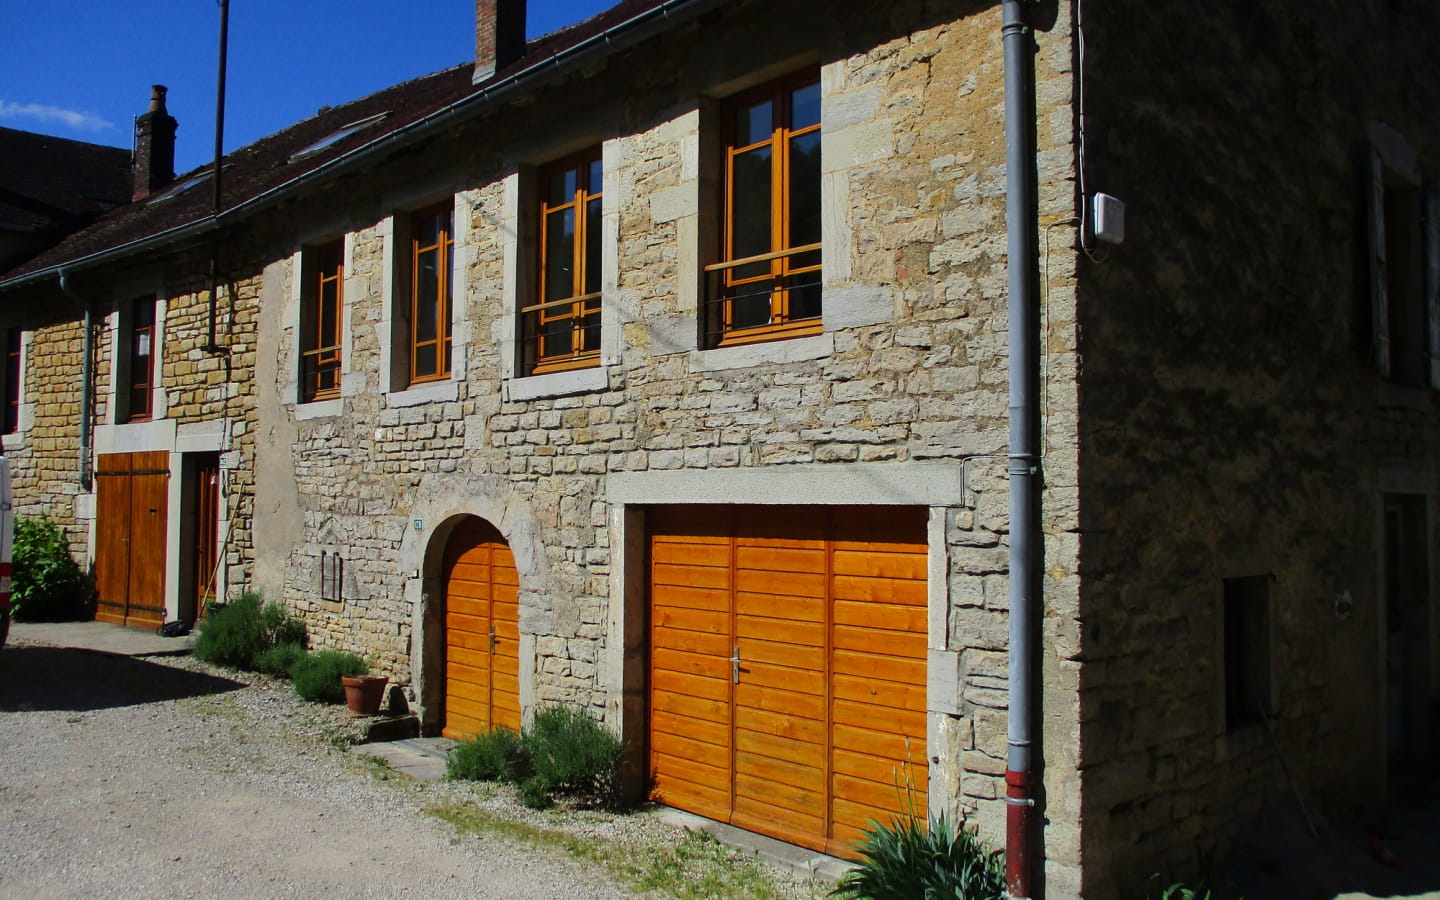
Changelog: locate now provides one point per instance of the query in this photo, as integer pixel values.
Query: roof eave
(612, 40)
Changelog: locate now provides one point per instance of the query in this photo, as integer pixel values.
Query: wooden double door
(131, 499)
(788, 677)
(482, 632)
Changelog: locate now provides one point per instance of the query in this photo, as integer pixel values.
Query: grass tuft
(695, 867)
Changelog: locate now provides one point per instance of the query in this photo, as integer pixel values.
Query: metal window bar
(575, 318)
(721, 299)
(320, 373)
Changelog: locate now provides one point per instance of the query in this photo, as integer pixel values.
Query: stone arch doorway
(481, 616)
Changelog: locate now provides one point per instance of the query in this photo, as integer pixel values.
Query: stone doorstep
(424, 759)
(420, 758)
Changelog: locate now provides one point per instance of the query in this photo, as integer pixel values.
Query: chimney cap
(157, 97)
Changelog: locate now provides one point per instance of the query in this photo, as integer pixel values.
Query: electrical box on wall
(1107, 218)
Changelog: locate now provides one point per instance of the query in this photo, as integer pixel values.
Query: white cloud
(39, 112)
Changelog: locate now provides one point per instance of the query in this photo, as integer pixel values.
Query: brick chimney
(499, 35)
(154, 146)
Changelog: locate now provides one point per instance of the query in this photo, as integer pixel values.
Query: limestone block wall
(911, 367)
(44, 462)
(1231, 422)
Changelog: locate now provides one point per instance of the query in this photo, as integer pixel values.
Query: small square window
(1247, 663)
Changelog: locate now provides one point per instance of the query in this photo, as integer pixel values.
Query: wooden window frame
(321, 356)
(579, 305)
(140, 369)
(14, 379)
(724, 278)
(445, 249)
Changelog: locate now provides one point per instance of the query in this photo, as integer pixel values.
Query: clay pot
(364, 693)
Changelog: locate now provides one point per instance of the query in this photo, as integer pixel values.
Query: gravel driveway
(128, 777)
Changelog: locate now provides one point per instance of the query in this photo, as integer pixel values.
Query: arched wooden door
(482, 632)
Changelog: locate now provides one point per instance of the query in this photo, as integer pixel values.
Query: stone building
(662, 367)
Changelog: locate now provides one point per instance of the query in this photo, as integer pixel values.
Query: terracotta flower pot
(364, 693)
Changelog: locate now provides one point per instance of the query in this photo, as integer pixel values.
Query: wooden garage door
(482, 633)
(131, 499)
(787, 691)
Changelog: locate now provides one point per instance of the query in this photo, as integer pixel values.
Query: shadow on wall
(52, 678)
(1394, 855)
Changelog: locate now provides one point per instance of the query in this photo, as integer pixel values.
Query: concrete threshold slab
(789, 856)
(420, 758)
(101, 636)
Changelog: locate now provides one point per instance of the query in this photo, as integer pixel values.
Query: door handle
(735, 665)
(492, 639)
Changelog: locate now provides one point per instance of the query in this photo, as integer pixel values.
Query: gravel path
(127, 777)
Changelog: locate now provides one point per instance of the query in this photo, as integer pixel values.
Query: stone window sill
(747, 355)
(558, 384)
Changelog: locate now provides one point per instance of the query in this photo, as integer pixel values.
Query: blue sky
(82, 69)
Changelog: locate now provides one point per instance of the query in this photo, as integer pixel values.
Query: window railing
(320, 374)
(561, 334)
(781, 302)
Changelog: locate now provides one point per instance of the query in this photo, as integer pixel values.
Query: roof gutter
(612, 40)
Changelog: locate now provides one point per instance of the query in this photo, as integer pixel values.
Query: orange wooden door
(482, 632)
(788, 667)
(132, 494)
(206, 493)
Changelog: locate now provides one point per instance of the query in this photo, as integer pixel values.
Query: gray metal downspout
(1021, 223)
(87, 376)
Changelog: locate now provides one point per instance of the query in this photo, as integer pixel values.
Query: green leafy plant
(561, 753)
(317, 675)
(280, 659)
(236, 634)
(909, 859)
(493, 756)
(574, 756)
(48, 586)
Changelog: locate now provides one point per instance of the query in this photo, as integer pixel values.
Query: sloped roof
(275, 166)
(49, 183)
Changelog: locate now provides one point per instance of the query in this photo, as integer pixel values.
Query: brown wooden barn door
(482, 632)
(788, 674)
(132, 492)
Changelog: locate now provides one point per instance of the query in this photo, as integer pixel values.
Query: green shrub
(317, 675)
(561, 753)
(905, 860)
(280, 659)
(237, 633)
(494, 756)
(47, 585)
(278, 627)
(574, 756)
(535, 793)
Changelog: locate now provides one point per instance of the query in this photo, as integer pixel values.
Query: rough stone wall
(44, 462)
(914, 122)
(200, 387)
(207, 385)
(1231, 421)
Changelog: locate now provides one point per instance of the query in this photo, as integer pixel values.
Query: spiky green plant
(495, 755)
(910, 858)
